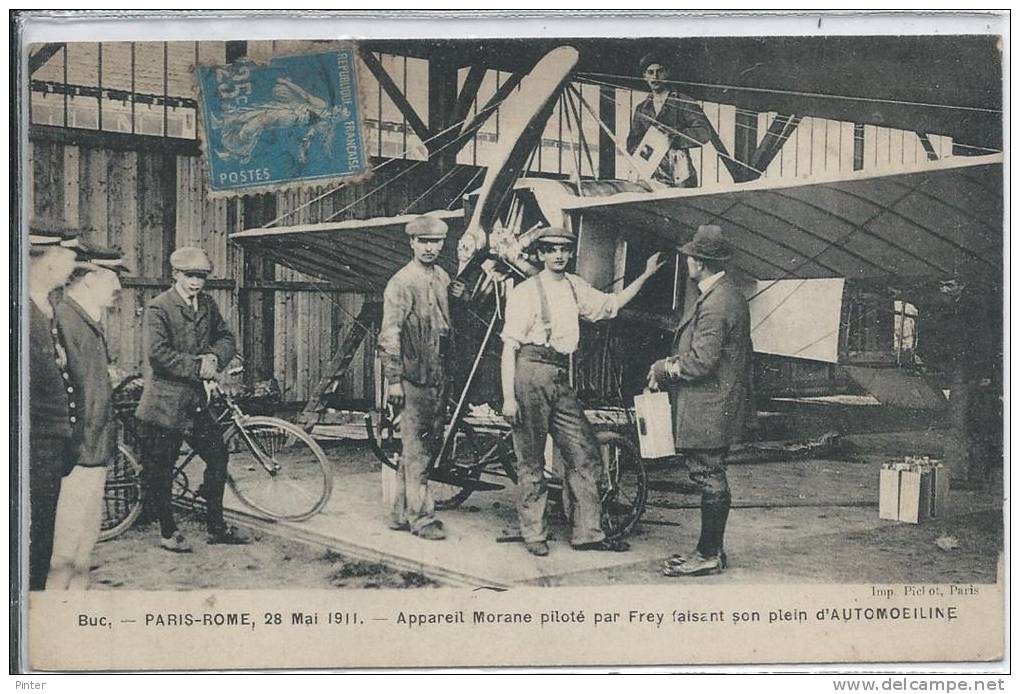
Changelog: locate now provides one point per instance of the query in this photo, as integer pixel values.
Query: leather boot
(715, 510)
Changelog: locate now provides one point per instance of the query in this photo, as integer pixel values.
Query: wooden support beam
(929, 148)
(257, 307)
(43, 55)
(772, 143)
(858, 146)
(738, 170)
(442, 103)
(235, 50)
(392, 91)
(469, 129)
(109, 140)
(607, 147)
(368, 318)
(468, 92)
(745, 134)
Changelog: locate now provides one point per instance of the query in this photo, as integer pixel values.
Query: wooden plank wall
(150, 202)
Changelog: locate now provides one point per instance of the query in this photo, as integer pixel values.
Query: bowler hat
(426, 227)
(708, 244)
(556, 235)
(190, 259)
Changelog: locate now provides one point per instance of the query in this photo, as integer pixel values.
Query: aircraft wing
(355, 255)
(942, 222)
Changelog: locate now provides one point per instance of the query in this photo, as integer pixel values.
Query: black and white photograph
(681, 331)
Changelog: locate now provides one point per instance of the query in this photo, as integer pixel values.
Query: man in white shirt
(540, 333)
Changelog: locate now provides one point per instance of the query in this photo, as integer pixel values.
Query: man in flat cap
(185, 342)
(413, 340)
(52, 399)
(91, 290)
(677, 117)
(540, 333)
(709, 381)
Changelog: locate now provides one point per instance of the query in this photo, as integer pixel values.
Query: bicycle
(273, 466)
(455, 472)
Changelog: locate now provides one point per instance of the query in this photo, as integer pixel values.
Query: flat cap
(426, 227)
(190, 259)
(556, 235)
(653, 58)
(88, 252)
(42, 233)
(708, 244)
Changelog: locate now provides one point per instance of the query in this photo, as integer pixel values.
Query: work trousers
(160, 448)
(706, 467)
(421, 433)
(48, 458)
(548, 405)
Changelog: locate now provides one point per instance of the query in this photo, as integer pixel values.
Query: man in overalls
(540, 333)
(413, 337)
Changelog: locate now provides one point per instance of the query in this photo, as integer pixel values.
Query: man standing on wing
(678, 116)
(52, 399)
(709, 380)
(185, 342)
(540, 333)
(413, 340)
(93, 287)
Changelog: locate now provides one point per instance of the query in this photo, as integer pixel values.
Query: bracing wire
(816, 95)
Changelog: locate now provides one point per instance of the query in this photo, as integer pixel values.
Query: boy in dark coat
(185, 342)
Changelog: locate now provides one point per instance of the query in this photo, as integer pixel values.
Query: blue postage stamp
(293, 120)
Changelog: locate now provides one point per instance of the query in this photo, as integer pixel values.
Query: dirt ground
(135, 561)
(789, 524)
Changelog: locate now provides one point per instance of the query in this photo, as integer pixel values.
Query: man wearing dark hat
(540, 333)
(678, 116)
(709, 380)
(92, 288)
(413, 341)
(185, 342)
(52, 400)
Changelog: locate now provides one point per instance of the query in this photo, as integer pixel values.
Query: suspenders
(545, 313)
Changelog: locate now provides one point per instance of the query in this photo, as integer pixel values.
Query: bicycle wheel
(277, 469)
(623, 486)
(122, 495)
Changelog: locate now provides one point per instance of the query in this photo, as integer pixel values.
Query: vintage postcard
(348, 347)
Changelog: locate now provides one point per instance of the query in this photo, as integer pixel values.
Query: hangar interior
(115, 149)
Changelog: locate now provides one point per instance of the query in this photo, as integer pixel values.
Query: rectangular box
(913, 495)
(889, 494)
(655, 425)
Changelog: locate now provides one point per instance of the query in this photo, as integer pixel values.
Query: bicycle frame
(231, 416)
